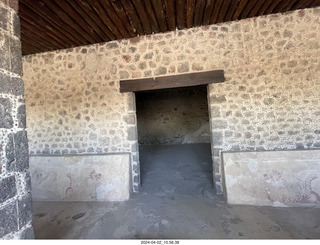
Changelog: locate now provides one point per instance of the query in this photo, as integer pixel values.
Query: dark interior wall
(173, 116)
(15, 197)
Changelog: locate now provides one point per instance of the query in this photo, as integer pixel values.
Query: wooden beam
(36, 40)
(238, 11)
(80, 20)
(114, 17)
(68, 21)
(271, 7)
(152, 16)
(139, 6)
(171, 18)
(161, 17)
(28, 15)
(289, 5)
(302, 4)
(314, 3)
(248, 8)
(190, 8)
(208, 12)
(91, 20)
(199, 11)
(117, 6)
(105, 18)
(264, 7)
(232, 8)
(254, 11)
(279, 8)
(180, 14)
(223, 10)
(132, 14)
(216, 11)
(175, 81)
(40, 33)
(28, 46)
(42, 10)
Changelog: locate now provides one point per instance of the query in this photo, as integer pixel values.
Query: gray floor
(177, 201)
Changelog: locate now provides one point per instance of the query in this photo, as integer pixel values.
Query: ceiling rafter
(152, 16)
(44, 26)
(160, 14)
(208, 12)
(170, 11)
(90, 19)
(53, 24)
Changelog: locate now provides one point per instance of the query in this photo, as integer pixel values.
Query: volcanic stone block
(25, 211)
(7, 189)
(16, 56)
(16, 25)
(4, 18)
(5, 52)
(217, 138)
(26, 178)
(10, 85)
(22, 116)
(28, 233)
(132, 133)
(8, 219)
(6, 120)
(10, 154)
(21, 150)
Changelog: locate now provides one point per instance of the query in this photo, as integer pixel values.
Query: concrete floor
(177, 201)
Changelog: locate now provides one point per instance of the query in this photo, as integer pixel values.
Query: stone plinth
(81, 178)
(273, 178)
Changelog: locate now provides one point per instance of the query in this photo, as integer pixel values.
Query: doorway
(174, 140)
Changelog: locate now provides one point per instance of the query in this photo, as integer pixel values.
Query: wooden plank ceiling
(54, 24)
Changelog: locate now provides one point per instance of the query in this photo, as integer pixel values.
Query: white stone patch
(253, 165)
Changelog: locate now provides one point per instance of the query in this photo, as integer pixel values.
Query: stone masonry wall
(15, 197)
(270, 99)
(173, 116)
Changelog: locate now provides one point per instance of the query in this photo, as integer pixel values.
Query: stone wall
(15, 197)
(270, 100)
(173, 116)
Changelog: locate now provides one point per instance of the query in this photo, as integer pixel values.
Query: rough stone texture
(8, 219)
(6, 120)
(7, 188)
(25, 210)
(273, 178)
(21, 151)
(11, 84)
(15, 207)
(14, 4)
(270, 99)
(173, 116)
(81, 178)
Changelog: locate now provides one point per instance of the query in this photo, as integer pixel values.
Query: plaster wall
(173, 116)
(270, 100)
(81, 177)
(273, 178)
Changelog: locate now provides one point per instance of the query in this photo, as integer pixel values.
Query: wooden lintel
(175, 81)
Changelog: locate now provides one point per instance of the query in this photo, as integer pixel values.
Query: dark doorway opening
(174, 140)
